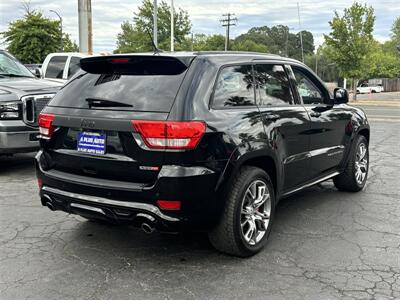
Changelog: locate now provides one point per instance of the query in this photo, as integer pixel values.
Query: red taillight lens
(40, 182)
(170, 134)
(169, 205)
(46, 128)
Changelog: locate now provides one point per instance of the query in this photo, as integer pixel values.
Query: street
(325, 244)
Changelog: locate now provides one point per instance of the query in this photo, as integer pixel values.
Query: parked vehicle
(366, 88)
(22, 97)
(61, 66)
(196, 141)
(35, 69)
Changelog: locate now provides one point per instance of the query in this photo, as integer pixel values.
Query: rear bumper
(16, 137)
(121, 202)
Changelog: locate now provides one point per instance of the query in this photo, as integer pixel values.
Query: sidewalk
(391, 99)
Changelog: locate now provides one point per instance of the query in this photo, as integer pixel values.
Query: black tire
(228, 236)
(347, 181)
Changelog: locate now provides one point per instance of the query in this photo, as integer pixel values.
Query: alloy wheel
(361, 163)
(255, 212)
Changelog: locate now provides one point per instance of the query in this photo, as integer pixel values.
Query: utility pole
(61, 30)
(85, 26)
(287, 41)
(228, 21)
(301, 35)
(172, 25)
(155, 39)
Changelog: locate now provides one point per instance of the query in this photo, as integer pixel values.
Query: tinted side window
(234, 87)
(308, 91)
(272, 85)
(73, 66)
(55, 68)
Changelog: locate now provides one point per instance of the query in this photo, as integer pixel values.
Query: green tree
(396, 31)
(249, 45)
(203, 42)
(321, 62)
(34, 36)
(136, 36)
(279, 40)
(68, 44)
(351, 41)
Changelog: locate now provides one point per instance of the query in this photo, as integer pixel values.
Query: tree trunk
(355, 82)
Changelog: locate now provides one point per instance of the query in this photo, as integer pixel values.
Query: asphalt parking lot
(325, 244)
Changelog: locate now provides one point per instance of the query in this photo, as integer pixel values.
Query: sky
(205, 15)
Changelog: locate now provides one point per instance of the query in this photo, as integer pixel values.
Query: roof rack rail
(234, 52)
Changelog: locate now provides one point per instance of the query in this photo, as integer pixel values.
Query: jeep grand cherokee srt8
(196, 141)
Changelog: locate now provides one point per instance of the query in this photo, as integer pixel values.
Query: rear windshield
(143, 92)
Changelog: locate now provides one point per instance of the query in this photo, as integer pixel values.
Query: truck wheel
(355, 174)
(246, 221)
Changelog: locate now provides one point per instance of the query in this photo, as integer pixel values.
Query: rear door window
(55, 68)
(272, 85)
(73, 66)
(234, 87)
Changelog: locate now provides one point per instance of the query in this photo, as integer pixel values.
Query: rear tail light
(169, 205)
(40, 182)
(170, 134)
(46, 127)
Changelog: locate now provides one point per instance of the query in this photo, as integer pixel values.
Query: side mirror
(38, 73)
(340, 96)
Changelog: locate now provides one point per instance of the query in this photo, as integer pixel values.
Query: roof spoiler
(135, 64)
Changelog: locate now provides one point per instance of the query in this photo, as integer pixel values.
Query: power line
(228, 21)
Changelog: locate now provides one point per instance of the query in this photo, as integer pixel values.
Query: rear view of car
(110, 151)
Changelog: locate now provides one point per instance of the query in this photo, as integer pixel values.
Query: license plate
(91, 142)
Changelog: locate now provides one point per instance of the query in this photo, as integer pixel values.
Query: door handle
(315, 114)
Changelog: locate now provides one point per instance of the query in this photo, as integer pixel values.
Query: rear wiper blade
(97, 102)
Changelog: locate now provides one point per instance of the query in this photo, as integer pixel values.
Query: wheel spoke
(260, 201)
(246, 211)
(243, 223)
(362, 152)
(252, 192)
(250, 231)
(363, 165)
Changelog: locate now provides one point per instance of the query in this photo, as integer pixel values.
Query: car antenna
(155, 49)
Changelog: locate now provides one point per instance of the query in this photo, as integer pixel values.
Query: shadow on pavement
(90, 239)
(16, 163)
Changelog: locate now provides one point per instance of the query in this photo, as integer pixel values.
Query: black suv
(196, 141)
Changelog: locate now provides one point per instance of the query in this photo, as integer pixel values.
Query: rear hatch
(94, 134)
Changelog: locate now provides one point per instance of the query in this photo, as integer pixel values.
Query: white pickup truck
(61, 66)
(366, 88)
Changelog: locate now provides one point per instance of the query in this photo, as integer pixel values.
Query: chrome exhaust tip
(147, 228)
(50, 206)
(49, 203)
